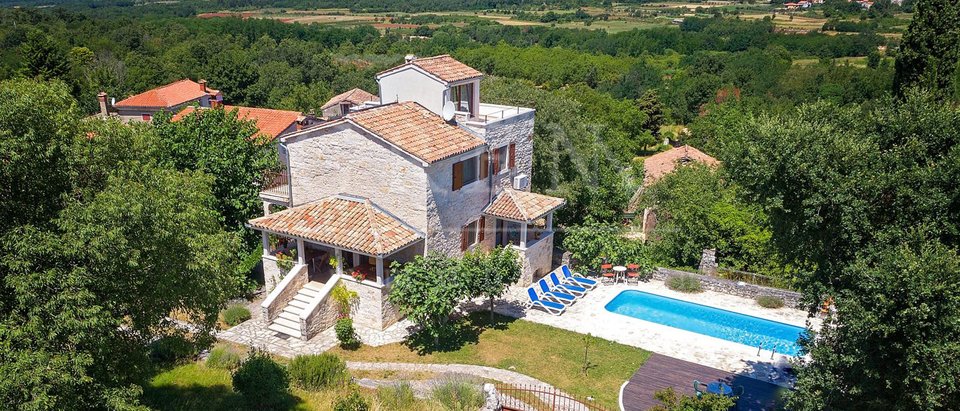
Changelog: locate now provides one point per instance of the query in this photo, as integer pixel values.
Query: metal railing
(539, 398)
(275, 183)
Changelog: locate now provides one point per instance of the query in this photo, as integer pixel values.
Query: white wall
(341, 159)
(408, 84)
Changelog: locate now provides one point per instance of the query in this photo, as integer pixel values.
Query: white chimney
(409, 57)
(102, 98)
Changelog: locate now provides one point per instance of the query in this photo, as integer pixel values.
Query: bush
(262, 382)
(459, 396)
(223, 357)
(172, 349)
(346, 334)
(769, 301)
(397, 397)
(684, 284)
(235, 314)
(352, 402)
(313, 372)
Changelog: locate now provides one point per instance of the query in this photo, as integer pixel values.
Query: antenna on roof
(447, 112)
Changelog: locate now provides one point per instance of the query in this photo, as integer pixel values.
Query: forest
(839, 158)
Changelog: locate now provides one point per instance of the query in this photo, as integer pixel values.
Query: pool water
(701, 319)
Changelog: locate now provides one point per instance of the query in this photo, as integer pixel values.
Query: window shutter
(481, 227)
(496, 161)
(513, 155)
(457, 176)
(464, 241)
(484, 165)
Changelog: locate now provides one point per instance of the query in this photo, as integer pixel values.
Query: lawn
(549, 354)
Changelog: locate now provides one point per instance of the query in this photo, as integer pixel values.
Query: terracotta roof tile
(522, 205)
(354, 96)
(446, 68)
(350, 223)
(270, 122)
(415, 130)
(170, 95)
(661, 164)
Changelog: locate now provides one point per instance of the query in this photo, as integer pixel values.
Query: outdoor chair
(633, 273)
(607, 273)
(551, 307)
(697, 388)
(568, 288)
(555, 295)
(576, 278)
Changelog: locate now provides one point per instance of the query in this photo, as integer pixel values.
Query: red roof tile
(270, 122)
(522, 205)
(350, 223)
(170, 95)
(415, 130)
(661, 164)
(444, 67)
(354, 96)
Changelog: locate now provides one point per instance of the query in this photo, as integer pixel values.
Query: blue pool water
(701, 319)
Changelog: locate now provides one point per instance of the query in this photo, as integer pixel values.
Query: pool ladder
(772, 352)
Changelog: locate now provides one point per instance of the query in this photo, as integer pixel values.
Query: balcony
(488, 115)
(276, 187)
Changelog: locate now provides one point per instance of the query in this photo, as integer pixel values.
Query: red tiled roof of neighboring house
(444, 67)
(350, 223)
(522, 205)
(170, 95)
(270, 122)
(661, 164)
(415, 130)
(354, 96)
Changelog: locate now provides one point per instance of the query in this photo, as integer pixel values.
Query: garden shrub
(263, 383)
(684, 284)
(352, 402)
(396, 397)
(172, 349)
(313, 372)
(235, 314)
(769, 301)
(459, 396)
(346, 334)
(223, 357)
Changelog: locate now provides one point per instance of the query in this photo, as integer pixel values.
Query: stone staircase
(288, 322)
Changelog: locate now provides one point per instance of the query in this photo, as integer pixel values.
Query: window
(146, 117)
(504, 158)
(462, 97)
(471, 234)
(469, 170)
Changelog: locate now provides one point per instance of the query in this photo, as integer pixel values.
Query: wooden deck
(660, 371)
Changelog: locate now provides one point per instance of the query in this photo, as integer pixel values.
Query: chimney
(203, 85)
(409, 57)
(102, 98)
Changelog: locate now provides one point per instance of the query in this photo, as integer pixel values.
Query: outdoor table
(719, 388)
(620, 272)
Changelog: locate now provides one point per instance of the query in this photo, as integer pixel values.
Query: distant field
(789, 22)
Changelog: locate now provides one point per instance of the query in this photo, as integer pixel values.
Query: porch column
(266, 208)
(338, 254)
(265, 238)
(550, 222)
(356, 259)
(523, 236)
(379, 270)
(301, 257)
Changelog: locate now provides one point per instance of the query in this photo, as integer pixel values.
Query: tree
(930, 51)
(427, 290)
(42, 58)
(490, 273)
(593, 242)
(649, 104)
(218, 143)
(708, 402)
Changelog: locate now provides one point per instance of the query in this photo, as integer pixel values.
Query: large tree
(489, 273)
(930, 52)
(427, 290)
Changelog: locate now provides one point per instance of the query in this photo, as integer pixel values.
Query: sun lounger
(551, 307)
(556, 295)
(580, 280)
(567, 288)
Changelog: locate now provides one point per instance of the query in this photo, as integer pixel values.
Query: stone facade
(272, 273)
(372, 310)
(537, 260)
(740, 289)
(291, 284)
(449, 211)
(324, 316)
(517, 129)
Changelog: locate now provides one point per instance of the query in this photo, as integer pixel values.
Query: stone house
(171, 98)
(344, 102)
(429, 169)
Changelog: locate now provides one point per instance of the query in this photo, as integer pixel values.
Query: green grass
(549, 354)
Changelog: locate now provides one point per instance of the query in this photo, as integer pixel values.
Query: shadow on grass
(460, 332)
(206, 398)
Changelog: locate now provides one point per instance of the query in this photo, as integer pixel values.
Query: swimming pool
(701, 319)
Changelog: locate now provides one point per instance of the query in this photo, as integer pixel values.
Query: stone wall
(720, 285)
(342, 159)
(279, 298)
(448, 211)
(272, 273)
(372, 309)
(324, 316)
(519, 130)
(537, 260)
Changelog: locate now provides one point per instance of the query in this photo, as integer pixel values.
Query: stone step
(292, 310)
(298, 304)
(284, 330)
(307, 299)
(287, 323)
(313, 285)
(309, 292)
(290, 316)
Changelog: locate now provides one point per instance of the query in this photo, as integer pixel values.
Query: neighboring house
(344, 102)
(270, 123)
(659, 165)
(171, 98)
(385, 184)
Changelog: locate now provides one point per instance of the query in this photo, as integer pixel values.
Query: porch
(524, 221)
